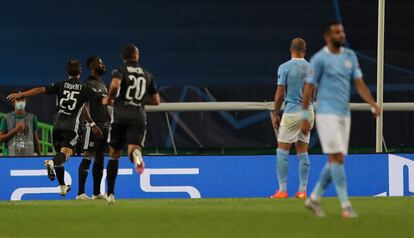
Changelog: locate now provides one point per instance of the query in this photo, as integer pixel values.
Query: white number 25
(69, 96)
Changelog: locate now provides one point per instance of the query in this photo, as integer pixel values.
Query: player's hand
(20, 126)
(13, 96)
(107, 102)
(375, 110)
(97, 132)
(305, 127)
(276, 121)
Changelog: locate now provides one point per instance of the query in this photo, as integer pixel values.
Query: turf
(379, 217)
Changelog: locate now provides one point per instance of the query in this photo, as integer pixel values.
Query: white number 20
(139, 84)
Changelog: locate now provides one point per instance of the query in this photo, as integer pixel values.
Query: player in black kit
(132, 87)
(71, 96)
(94, 147)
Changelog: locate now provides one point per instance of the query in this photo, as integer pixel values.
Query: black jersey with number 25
(71, 96)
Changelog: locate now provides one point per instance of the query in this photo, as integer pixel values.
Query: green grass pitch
(379, 217)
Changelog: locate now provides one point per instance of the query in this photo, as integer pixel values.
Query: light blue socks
(303, 171)
(324, 180)
(339, 179)
(282, 166)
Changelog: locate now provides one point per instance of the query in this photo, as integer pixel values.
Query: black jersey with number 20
(136, 85)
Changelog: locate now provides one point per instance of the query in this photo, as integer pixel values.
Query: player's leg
(327, 127)
(112, 172)
(287, 136)
(282, 166)
(136, 138)
(135, 156)
(98, 165)
(117, 141)
(338, 171)
(303, 168)
(83, 172)
(65, 153)
(88, 155)
(63, 143)
(304, 163)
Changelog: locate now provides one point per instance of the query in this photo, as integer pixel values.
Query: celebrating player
(334, 67)
(71, 96)
(131, 88)
(94, 147)
(291, 78)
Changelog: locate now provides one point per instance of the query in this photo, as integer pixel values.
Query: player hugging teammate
(132, 88)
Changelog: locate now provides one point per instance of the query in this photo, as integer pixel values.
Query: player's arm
(279, 94)
(113, 89)
(28, 93)
(308, 94)
(87, 116)
(309, 90)
(365, 94)
(279, 98)
(37, 143)
(36, 140)
(153, 99)
(7, 135)
(361, 87)
(152, 90)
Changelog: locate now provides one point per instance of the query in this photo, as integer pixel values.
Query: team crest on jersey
(348, 64)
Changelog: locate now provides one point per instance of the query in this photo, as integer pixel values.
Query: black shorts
(91, 143)
(121, 134)
(64, 138)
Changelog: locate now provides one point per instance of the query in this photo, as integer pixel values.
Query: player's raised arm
(28, 93)
(365, 94)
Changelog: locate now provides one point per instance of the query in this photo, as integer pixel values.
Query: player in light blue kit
(291, 79)
(334, 68)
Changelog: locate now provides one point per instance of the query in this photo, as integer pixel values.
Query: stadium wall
(210, 177)
(251, 129)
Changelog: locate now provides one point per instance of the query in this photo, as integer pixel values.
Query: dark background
(212, 50)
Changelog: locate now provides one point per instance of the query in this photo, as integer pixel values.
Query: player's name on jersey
(73, 86)
(136, 70)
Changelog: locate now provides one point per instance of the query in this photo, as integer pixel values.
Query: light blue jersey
(292, 75)
(332, 75)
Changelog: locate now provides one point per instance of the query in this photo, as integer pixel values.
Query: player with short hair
(291, 78)
(334, 68)
(132, 87)
(71, 96)
(96, 115)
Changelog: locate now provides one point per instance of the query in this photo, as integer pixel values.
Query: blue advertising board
(210, 177)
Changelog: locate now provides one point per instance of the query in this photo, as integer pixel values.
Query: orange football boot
(279, 194)
(301, 195)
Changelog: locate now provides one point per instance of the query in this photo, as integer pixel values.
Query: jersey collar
(298, 58)
(341, 50)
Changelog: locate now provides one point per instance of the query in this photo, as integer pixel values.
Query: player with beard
(94, 146)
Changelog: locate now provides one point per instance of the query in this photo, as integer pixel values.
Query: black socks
(83, 174)
(112, 172)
